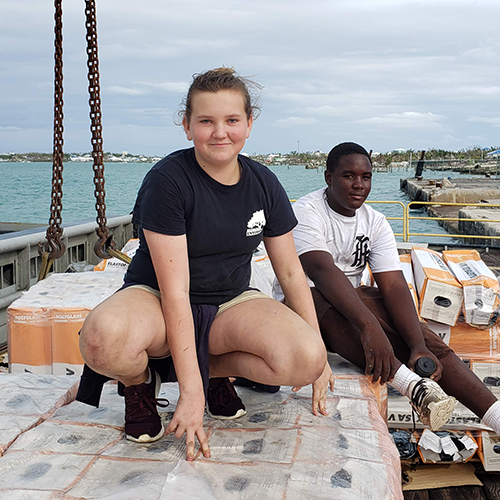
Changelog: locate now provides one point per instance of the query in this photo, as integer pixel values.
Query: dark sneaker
(432, 404)
(244, 382)
(142, 422)
(222, 401)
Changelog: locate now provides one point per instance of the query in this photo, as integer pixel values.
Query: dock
(469, 220)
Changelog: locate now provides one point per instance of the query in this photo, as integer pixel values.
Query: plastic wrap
(26, 400)
(43, 324)
(481, 289)
(278, 450)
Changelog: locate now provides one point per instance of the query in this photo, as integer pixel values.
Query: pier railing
(472, 229)
(402, 218)
(467, 228)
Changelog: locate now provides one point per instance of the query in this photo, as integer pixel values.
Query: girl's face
(218, 128)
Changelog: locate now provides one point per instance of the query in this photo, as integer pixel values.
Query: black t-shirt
(223, 224)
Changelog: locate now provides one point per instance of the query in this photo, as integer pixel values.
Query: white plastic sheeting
(278, 450)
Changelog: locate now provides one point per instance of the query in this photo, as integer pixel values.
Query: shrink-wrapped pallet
(43, 324)
(440, 294)
(278, 450)
(480, 286)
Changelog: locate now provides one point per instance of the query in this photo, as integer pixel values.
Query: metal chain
(55, 248)
(96, 126)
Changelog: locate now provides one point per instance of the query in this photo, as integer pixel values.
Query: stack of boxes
(43, 324)
(458, 297)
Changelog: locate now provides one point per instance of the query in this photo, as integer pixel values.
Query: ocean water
(26, 191)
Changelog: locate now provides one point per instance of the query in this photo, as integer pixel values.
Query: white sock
(402, 380)
(150, 377)
(492, 417)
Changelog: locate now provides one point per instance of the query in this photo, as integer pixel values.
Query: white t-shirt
(352, 241)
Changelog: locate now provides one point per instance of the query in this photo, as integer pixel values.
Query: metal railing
(403, 218)
(406, 219)
(464, 220)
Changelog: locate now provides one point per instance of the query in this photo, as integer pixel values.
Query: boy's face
(349, 184)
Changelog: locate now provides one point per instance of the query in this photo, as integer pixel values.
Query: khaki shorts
(242, 297)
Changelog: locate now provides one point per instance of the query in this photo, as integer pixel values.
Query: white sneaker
(433, 406)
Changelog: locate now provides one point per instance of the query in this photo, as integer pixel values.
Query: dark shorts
(91, 383)
(371, 297)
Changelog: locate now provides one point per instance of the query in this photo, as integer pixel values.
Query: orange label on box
(29, 336)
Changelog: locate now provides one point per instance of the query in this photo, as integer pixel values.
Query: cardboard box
(29, 340)
(480, 286)
(43, 324)
(367, 277)
(406, 267)
(469, 342)
(440, 294)
(129, 249)
(66, 324)
(400, 416)
(489, 451)
(455, 446)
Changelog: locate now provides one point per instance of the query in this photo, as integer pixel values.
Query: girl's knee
(98, 335)
(309, 361)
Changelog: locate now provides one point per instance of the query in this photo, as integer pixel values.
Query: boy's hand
(380, 360)
(418, 352)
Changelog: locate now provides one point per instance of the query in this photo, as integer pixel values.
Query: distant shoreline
(310, 159)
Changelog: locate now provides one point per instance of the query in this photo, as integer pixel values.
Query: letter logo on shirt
(361, 251)
(256, 223)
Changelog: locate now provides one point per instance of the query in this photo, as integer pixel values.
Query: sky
(387, 74)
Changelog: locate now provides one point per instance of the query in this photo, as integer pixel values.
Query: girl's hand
(320, 388)
(188, 419)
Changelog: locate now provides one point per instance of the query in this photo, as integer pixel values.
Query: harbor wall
(469, 220)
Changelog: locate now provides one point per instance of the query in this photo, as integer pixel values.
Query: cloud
(407, 120)
(294, 121)
(167, 86)
(10, 129)
(481, 119)
(385, 73)
(116, 89)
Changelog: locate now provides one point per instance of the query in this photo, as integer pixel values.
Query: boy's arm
(338, 290)
(401, 309)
